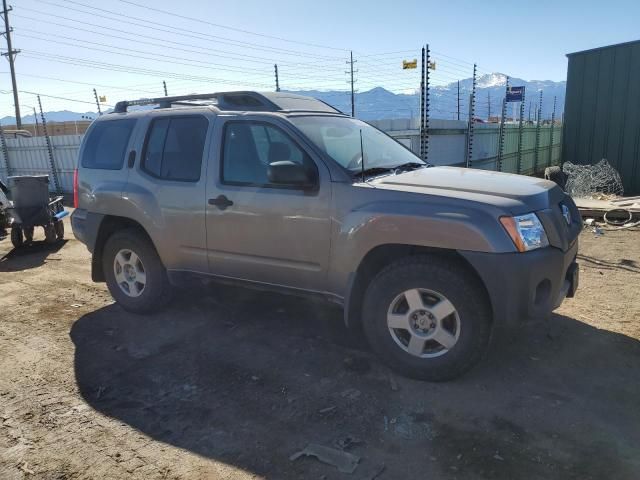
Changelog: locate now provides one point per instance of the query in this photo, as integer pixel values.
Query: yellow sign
(103, 99)
(406, 64)
(432, 65)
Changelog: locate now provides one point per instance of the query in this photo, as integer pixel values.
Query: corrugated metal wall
(29, 156)
(602, 110)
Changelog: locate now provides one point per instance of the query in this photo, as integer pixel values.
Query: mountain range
(379, 103)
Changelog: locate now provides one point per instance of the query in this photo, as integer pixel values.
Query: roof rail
(242, 101)
(162, 102)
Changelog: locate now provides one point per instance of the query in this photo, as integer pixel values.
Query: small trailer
(32, 207)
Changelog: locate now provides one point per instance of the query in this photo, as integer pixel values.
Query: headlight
(526, 231)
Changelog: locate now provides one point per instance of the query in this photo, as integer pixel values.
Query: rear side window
(107, 144)
(174, 148)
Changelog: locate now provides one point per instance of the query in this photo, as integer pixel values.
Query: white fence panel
(29, 156)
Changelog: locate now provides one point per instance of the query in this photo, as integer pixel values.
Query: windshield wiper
(395, 169)
(409, 166)
(372, 171)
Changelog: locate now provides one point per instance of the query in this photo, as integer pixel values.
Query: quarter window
(106, 144)
(174, 148)
(249, 148)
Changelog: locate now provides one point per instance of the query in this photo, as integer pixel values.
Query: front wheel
(135, 276)
(427, 318)
(17, 239)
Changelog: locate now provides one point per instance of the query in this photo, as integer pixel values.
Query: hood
(515, 193)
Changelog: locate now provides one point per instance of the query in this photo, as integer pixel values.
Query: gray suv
(284, 192)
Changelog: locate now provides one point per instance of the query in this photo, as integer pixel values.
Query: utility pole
(164, 84)
(489, 104)
(353, 104)
(11, 55)
(275, 67)
(458, 99)
(95, 94)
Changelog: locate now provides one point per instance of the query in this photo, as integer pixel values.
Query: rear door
(166, 189)
(257, 230)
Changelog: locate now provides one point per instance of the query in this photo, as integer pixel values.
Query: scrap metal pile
(585, 180)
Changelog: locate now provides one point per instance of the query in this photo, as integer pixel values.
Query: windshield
(339, 137)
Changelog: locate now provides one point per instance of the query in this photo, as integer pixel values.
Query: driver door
(258, 230)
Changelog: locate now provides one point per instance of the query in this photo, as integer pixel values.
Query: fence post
(422, 95)
(5, 152)
(426, 104)
(553, 119)
(501, 131)
(95, 94)
(537, 150)
(471, 122)
(520, 134)
(52, 164)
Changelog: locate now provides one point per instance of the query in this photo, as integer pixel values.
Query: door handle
(132, 159)
(221, 202)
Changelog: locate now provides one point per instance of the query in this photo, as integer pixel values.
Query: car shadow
(29, 256)
(248, 378)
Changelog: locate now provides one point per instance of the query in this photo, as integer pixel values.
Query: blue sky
(125, 48)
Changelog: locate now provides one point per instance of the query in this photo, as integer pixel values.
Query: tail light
(75, 189)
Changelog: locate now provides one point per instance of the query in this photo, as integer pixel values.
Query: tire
(135, 296)
(59, 228)
(440, 281)
(17, 239)
(50, 235)
(555, 174)
(28, 234)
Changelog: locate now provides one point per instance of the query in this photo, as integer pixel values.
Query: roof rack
(242, 101)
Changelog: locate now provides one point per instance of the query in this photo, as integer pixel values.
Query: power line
(320, 65)
(60, 98)
(146, 23)
(128, 69)
(226, 27)
(193, 62)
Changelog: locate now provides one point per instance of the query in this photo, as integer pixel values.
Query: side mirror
(286, 172)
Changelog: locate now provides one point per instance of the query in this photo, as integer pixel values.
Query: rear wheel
(427, 318)
(135, 276)
(17, 239)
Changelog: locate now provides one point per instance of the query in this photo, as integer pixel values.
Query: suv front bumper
(526, 286)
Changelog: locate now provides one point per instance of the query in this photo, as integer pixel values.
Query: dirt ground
(229, 383)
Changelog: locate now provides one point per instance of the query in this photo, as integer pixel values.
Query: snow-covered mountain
(379, 103)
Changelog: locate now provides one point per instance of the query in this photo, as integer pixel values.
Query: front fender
(433, 223)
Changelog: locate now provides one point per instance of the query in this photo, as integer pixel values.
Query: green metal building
(602, 110)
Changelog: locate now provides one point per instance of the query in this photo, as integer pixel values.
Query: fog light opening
(543, 291)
